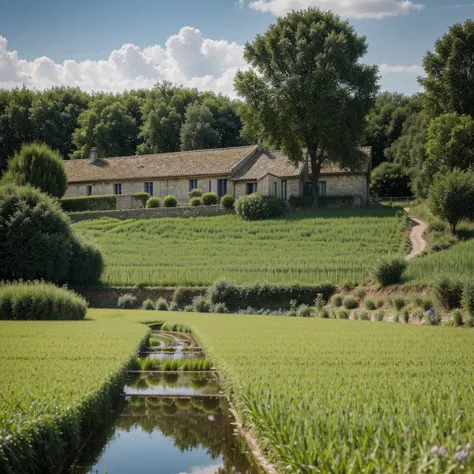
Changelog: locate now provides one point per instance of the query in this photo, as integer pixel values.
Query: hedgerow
(89, 203)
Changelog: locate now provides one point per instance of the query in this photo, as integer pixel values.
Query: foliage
(148, 304)
(86, 264)
(169, 364)
(60, 391)
(457, 318)
(142, 197)
(304, 311)
(336, 300)
(307, 88)
(364, 316)
(379, 315)
(220, 308)
(161, 304)
(370, 305)
(265, 295)
(448, 290)
(228, 201)
(452, 197)
(170, 201)
(153, 202)
(197, 251)
(201, 304)
(467, 299)
(181, 297)
(39, 301)
(389, 270)
(195, 193)
(127, 301)
(399, 302)
(350, 303)
(301, 202)
(198, 131)
(210, 198)
(39, 166)
(390, 179)
(89, 203)
(342, 314)
(196, 201)
(255, 207)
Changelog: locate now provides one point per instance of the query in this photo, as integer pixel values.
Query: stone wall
(344, 185)
(151, 213)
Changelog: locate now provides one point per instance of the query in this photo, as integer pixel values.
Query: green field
(56, 381)
(334, 396)
(303, 248)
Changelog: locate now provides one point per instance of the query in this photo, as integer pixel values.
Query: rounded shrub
(342, 314)
(370, 304)
(379, 315)
(448, 290)
(350, 303)
(161, 304)
(127, 301)
(40, 301)
(153, 202)
(254, 207)
(323, 313)
(181, 297)
(457, 318)
(220, 308)
(209, 199)
(195, 193)
(389, 270)
(40, 166)
(304, 311)
(201, 304)
(364, 316)
(196, 201)
(336, 300)
(228, 201)
(399, 302)
(170, 201)
(142, 197)
(86, 264)
(361, 293)
(148, 304)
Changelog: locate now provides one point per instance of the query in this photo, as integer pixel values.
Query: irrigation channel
(168, 422)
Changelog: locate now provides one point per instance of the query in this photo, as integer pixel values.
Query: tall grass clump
(467, 300)
(148, 304)
(350, 303)
(127, 301)
(370, 304)
(389, 270)
(448, 290)
(161, 304)
(336, 300)
(39, 301)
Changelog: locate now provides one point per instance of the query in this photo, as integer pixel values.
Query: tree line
(167, 118)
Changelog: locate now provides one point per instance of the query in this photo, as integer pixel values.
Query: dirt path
(418, 243)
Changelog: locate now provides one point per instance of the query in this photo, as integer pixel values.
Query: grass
(342, 396)
(57, 381)
(312, 247)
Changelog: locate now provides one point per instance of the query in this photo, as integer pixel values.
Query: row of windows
(221, 186)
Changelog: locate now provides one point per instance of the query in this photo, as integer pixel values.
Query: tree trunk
(315, 172)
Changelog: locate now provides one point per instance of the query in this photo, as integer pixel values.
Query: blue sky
(82, 42)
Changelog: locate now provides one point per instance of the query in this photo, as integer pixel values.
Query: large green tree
(308, 89)
(199, 130)
(449, 82)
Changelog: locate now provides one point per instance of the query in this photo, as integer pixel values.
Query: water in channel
(168, 423)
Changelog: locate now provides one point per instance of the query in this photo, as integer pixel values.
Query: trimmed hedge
(39, 301)
(89, 203)
(195, 201)
(142, 197)
(86, 264)
(153, 202)
(228, 201)
(170, 201)
(210, 198)
(195, 193)
(254, 207)
(266, 295)
(306, 202)
(301, 202)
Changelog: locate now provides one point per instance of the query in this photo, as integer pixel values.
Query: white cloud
(186, 58)
(413, 69)
(346, 8)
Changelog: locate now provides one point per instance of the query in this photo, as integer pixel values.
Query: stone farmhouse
(236, 171)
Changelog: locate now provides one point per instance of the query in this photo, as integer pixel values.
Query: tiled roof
(261, 164)
(362, 168)
(217, 162)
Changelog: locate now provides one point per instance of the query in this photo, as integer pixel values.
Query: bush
(342, 314)
(432, 317)
(170, 201)
(38, 165)
(467, 299)
(195, 193)
(390, 179)
(370, 304)
(196, 201)
(148, 304)
(457, 318)
(201, 304)
(220, 308)
(361, 293)
(127, 301)
(399, 302)
(153, 203)
(470, 322)
(182, 297)
(319, 302)
(426, 304)
(406, 315)
(86, 264)
(39, 301)
(301, 202)
(350, 303)
(210, 198)
(228, 201)
(304, 311)
(253, 207)
(337, 300)
(389, 270)
(448, 290)
(142, 197)
(379, 315)
(35, 236)
(364, 316)
(380, 303)
(189, 308)
(89, 203)
(265, 295)
(161, 304)
(336, 201)
(323, 313)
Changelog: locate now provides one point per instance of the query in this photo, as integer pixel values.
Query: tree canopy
(308, 89)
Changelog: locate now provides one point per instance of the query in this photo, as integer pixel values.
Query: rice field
(331, 246)
(57, 380)
(334, 396)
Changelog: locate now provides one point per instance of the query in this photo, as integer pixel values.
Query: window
(221, 187)
(210, 189)
(149, 188)
(88, 189)
(283, 190)
(251, 188)
(193, 184)
(322, 188)
(118, 188)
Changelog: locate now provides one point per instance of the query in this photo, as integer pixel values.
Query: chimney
(94, 155)
(259, 144)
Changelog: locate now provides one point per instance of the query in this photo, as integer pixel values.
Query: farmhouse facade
(236, 171)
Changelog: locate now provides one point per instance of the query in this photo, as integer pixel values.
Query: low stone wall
(155, 212)
(107, 297)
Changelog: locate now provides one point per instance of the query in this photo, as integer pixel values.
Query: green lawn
(341, 396)
(303, 248)
(56, 381)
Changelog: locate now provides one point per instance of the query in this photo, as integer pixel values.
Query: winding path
(418, 243)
